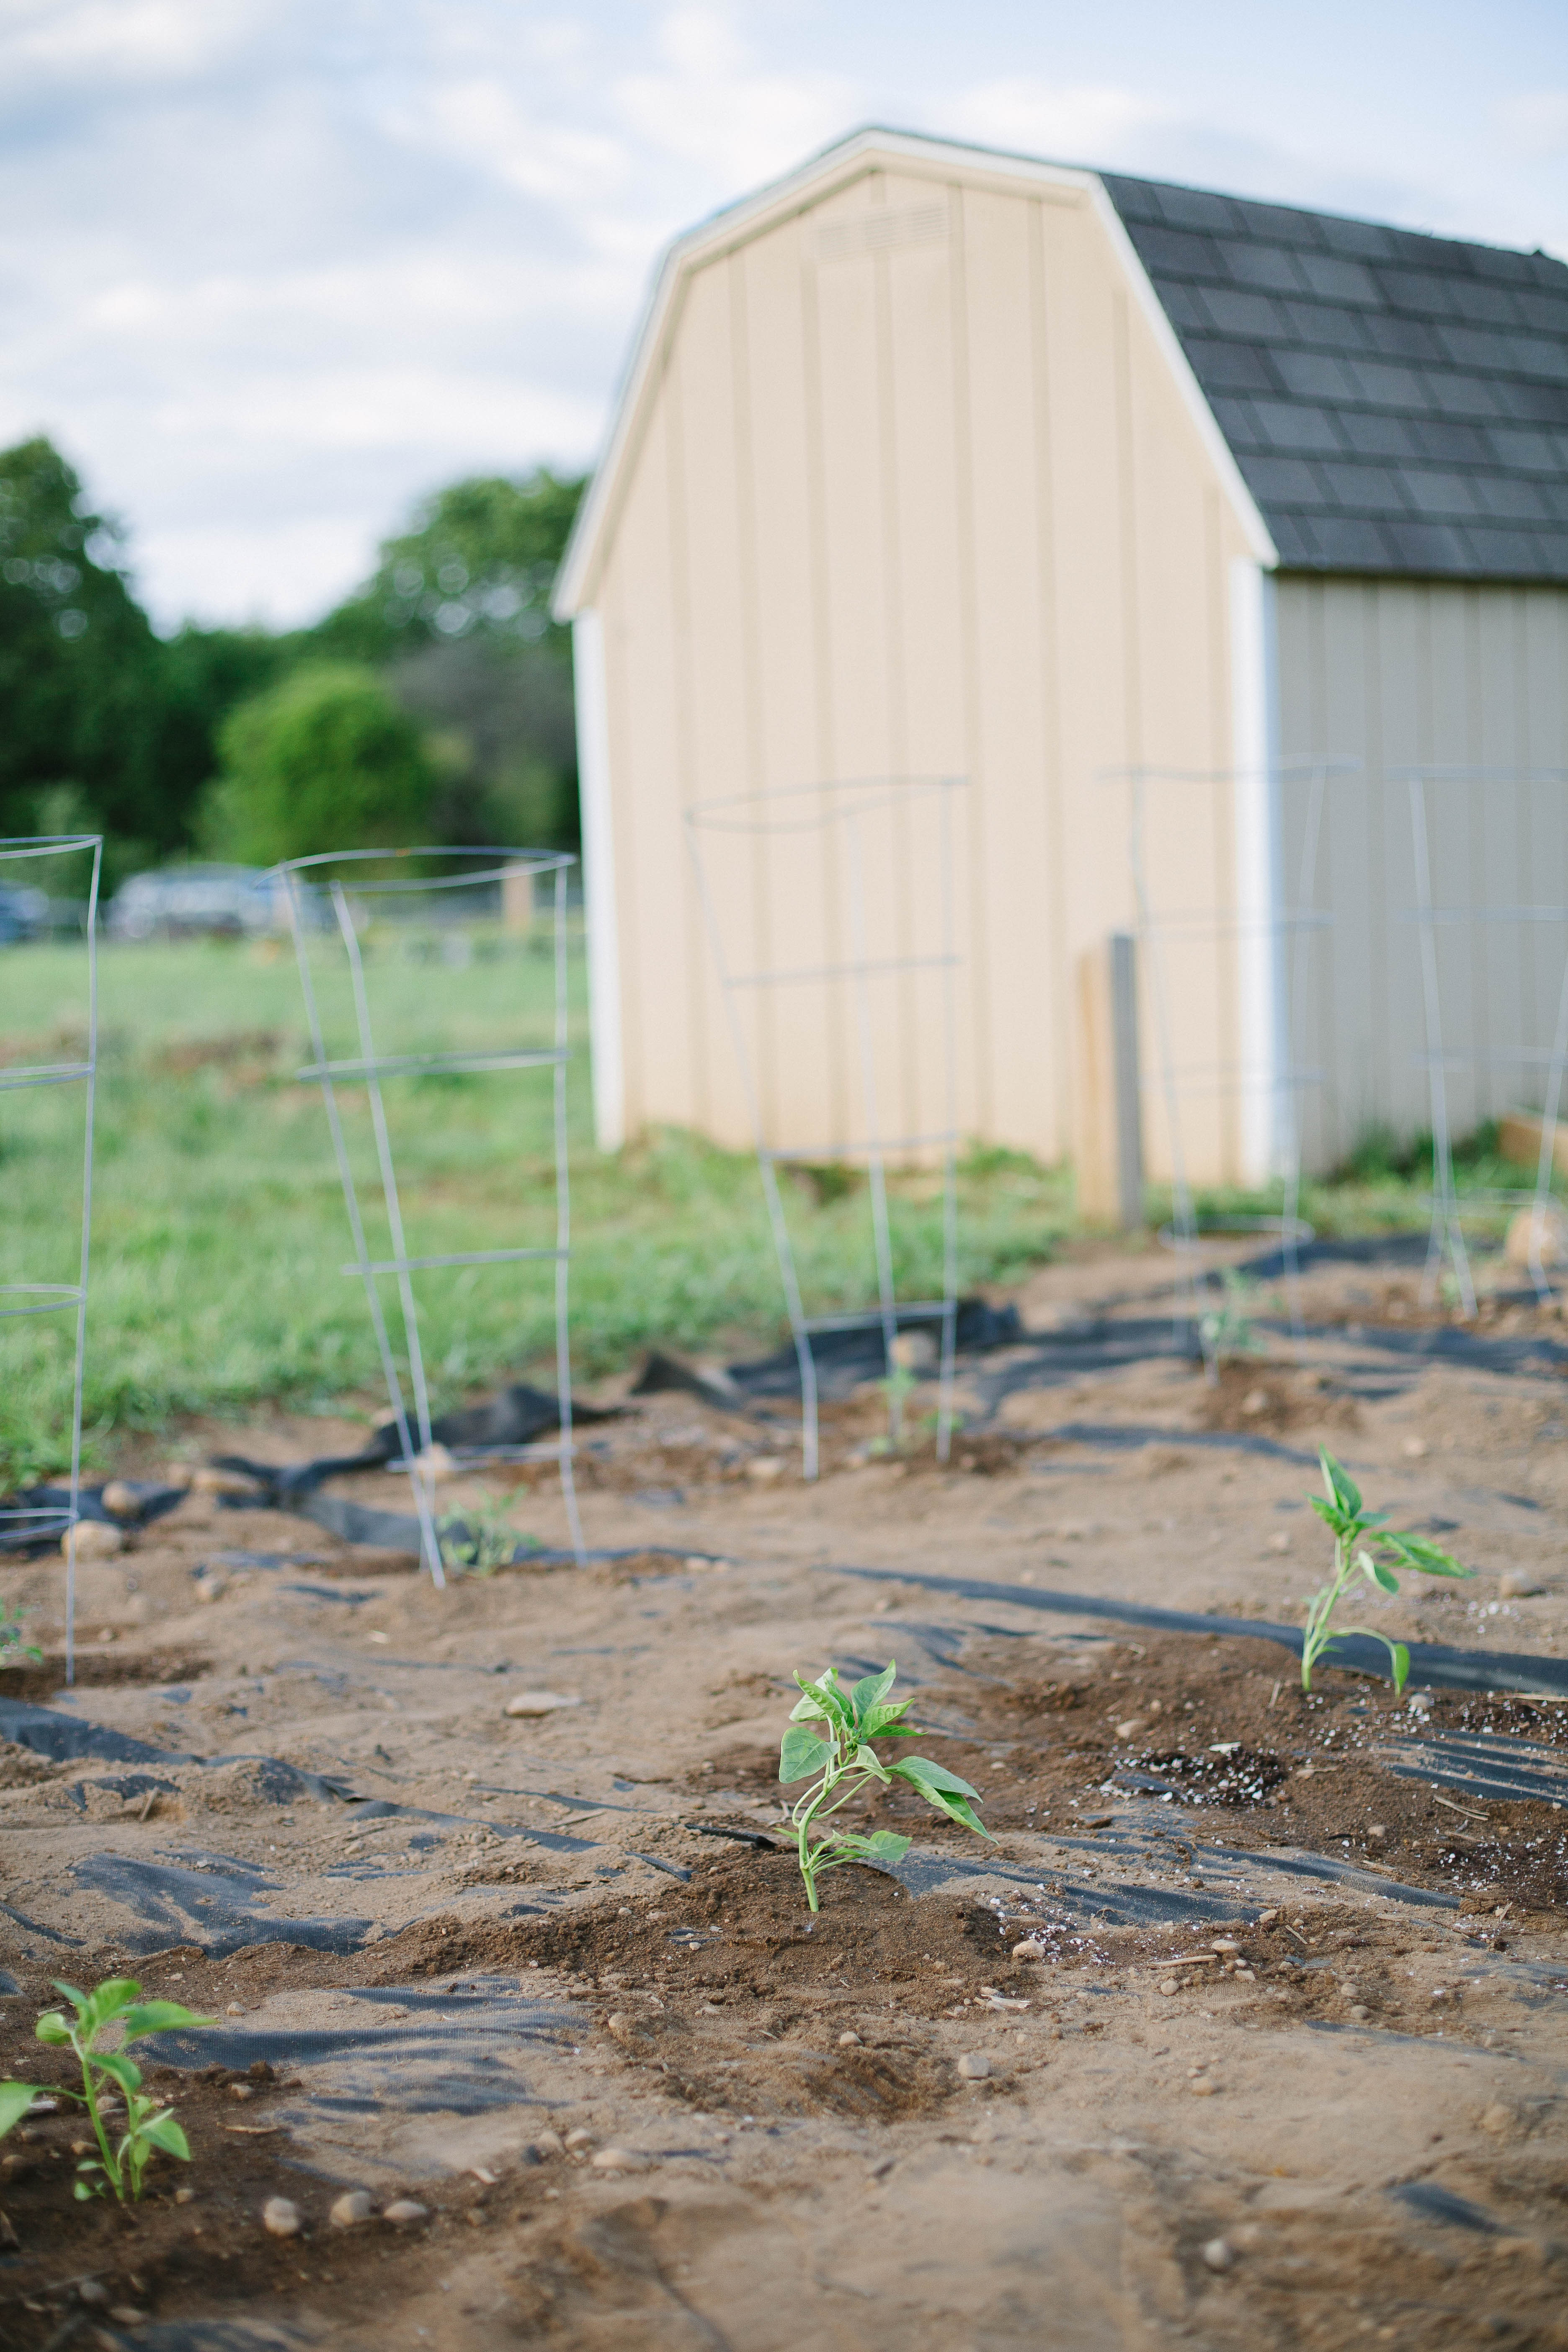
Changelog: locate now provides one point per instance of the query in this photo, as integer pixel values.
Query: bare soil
(1247, 2030)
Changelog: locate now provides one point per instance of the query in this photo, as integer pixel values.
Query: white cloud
(139, 39)
(712, 104)
(1095, 124)
(1538, 120)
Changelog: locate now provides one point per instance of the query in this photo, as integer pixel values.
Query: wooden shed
(933, 462)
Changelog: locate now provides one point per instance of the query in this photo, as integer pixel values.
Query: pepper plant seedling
(13, 1649)
(828, 1743)
(478, 1538)
(1349, 1520)
(116, 2002)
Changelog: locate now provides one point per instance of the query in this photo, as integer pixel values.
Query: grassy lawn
(218, 1222)
(219, 1231)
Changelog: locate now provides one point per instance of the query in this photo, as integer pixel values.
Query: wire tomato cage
(1488, 964)
(861, 874)
(1245, 949)
(27, 863)
(332, 897)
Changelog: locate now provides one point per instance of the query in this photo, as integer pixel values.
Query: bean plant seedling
(117, 2002)
(1348, 1518)
(828, 1744)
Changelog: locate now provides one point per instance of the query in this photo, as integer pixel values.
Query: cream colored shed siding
(1394, 674)
(916, 492)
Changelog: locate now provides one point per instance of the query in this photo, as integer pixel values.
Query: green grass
(219, 1227)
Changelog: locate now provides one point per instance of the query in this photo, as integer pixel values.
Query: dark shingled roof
(1396, 402)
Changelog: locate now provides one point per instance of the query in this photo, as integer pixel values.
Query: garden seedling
(478, 1538)
(1349, 1520)
(1226, 1332)
(12, 1650)
(898, 1386)
(116, 2002)
(828, 1744)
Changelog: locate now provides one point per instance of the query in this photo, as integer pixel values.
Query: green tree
(325, 760)
(457, 614)
(477, 562)
(80, 682)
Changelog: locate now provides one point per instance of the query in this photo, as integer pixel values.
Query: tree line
(432, 704)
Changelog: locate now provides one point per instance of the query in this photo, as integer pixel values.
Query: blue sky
(270, 268)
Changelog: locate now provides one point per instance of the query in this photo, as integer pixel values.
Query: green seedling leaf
(926, 1776)
(52, 2028)
(15, 2098)
(125, 2071)
(868, 1694)
(1375, 1570)
(162, 2131)
(161, 2017)
(959, 1809)
(830, 1699)
(1343, 1491)
(802, 1754)
(887, 1845)
(1420, 1552)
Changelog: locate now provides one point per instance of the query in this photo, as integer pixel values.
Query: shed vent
(875, 231)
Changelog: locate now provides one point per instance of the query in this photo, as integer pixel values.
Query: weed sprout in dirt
(1348, 1519)
(117, 2002)
(828, 1744)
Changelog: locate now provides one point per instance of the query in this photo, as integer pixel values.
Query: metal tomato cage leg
(324, 893)
(860, 831)
(1457, 815)
(28, 861)
(1271, 941)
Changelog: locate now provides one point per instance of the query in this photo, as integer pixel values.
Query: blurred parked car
(24, 914)
(192, 901)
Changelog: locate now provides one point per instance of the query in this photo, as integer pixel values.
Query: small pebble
(92, 2290)
(849, 2041)
(241, 2090)
(125, 2315)
(184, 2196)
(1204, 2089)
(1169, 1984)
(1516, 1585)
(1496, 2119)
(974, 2065)
(404, 2212)
(1414, 1447)
(539, 1702)
(95, 1539)
(580, 2137)
(235, 2010)
(1217, 2254)
(549, 2143)
(352, 2208)
(619, 2159)
(280, 2218)
(1029, 1951)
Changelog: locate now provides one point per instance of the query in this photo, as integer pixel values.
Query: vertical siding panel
(1056, 1105)
(1015, 666)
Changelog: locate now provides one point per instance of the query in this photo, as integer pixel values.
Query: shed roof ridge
(1382, 400)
